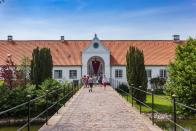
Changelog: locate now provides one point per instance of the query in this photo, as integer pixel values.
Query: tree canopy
(182, 75)
(8, 72)
(24, 69)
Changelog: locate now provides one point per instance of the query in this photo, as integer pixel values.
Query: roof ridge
(91, 40)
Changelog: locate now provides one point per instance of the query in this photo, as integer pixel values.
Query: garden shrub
(123, 87)
(18, 95)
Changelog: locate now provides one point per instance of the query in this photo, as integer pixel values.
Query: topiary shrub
(136, 73)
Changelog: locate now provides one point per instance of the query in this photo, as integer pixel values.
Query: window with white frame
(58, 74)
(118, 73)
(163, 73)
(72, 74)
(149, 73)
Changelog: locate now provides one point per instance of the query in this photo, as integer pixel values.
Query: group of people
(90, 81)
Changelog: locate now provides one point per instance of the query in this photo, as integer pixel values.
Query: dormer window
(95, 45)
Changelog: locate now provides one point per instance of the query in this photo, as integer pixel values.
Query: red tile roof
(156, 52)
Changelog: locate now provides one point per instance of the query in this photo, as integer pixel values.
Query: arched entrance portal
(96, 66)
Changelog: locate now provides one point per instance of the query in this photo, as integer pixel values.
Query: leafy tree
(24, 69)
(14, 97)
(41, 65)
(8, 71)
(136, 73)
(182, 75)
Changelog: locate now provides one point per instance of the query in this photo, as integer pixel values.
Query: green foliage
(158, 84)
(8, 71)
(24, 69)
(41, 65)
(124, 88)
(50, 84)
(45, 64)
(136, 73)
(182, 75)
(11, 98)
(35, 67)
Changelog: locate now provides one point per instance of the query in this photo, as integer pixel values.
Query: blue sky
(110, 19)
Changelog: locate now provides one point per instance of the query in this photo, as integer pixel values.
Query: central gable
(96, 47)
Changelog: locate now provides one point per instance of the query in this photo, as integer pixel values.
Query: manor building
(74, 58)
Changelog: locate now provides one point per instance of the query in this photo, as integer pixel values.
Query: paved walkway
(101, 110)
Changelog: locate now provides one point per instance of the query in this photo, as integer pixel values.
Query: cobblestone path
(101, 110)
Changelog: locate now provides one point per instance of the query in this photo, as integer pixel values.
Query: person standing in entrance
(104, 81)
(90, 81)
(100, 80)
(84, 81)
(87, 83)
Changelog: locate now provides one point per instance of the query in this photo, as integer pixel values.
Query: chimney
(62, 38)
(10, 38)
(176, 38)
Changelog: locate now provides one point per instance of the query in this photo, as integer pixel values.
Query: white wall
(65, 72)
(123, 68)
(155, 70)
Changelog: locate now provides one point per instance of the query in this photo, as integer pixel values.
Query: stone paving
(101, 110)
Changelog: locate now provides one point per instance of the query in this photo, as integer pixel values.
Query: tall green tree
(136, 73)
(41, 65)
(45, 64)
(182, 75)
(35, 67)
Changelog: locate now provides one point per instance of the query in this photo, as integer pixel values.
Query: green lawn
(161, 104)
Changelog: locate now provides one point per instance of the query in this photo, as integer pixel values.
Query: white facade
(155, 72)
(91, 52)
(124, 76)
(66, 72)
(97, 50)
